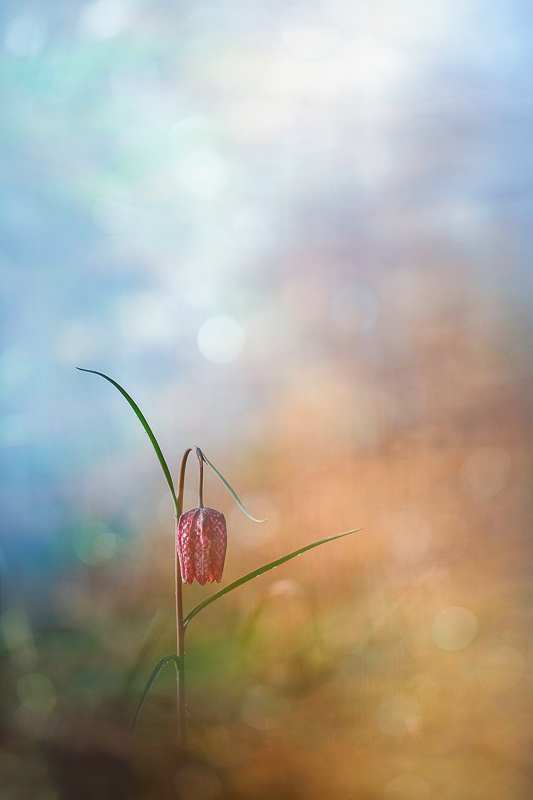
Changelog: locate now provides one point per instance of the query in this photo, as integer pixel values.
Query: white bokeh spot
(221, 339)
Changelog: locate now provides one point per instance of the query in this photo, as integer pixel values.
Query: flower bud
(201, 538)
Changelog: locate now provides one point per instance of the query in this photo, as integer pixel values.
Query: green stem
(201, 479)
(180, 627)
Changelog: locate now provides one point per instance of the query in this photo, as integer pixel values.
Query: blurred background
(299, 235)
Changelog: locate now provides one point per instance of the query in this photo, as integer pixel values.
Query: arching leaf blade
(229, 488)
(140, 416)
(260, 571)
(157, 669)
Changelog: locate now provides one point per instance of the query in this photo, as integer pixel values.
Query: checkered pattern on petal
(201, 540)
(184, 545)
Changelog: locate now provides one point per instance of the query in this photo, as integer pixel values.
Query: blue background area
(92, 96)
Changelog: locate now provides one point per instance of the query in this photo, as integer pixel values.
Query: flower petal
(201, 541)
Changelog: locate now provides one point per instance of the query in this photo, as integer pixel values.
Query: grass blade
(256, 572)
(142, 420)
(157, 669)
(228, 487)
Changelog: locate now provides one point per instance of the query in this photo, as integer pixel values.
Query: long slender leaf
(142, 420)
(157, 669)
(228, 487)
(256, 572)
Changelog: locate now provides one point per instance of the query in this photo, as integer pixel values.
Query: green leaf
(228, 487)
(142, 420)
(157, 669)
(256, 572)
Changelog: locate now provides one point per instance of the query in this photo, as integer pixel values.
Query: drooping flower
(201, 539)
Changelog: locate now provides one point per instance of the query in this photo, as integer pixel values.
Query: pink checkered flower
(201, 538)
